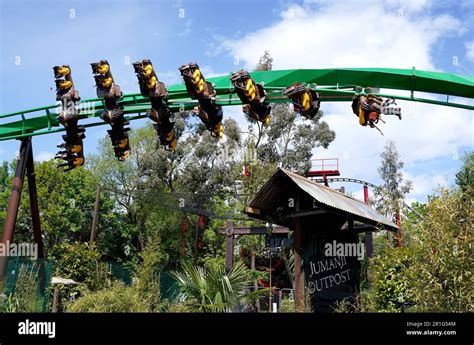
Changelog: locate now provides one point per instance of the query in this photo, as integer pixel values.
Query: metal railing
(325, 164)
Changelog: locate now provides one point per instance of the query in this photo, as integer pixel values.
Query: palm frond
(212, 290)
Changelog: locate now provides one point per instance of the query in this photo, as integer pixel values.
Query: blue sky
(434, 35)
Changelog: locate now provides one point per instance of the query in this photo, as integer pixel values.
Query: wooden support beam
(299, 274)
(95, 217)
(367, 228)
(252, 210)
(305, 213)
(229, 246)
(251, 230)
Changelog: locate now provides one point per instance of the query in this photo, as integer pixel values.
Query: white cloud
(469, 50)
(426, 132)
(307, 37)
(426, 183)
(410, 6)
(44, 156)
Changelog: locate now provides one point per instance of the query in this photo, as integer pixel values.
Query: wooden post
(56, 299)
(299, 275)
(95, 218)
(196, 237)
(229, 246)
(255, 283)
(182, 246)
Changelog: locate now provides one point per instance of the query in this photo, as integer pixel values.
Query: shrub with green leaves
(441, 272)
(213, 290)
(81, 263)
(142, 296)
(118, 298)
(391, 289)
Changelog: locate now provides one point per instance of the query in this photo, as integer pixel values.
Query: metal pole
(35, 216)
(14, 202)
(366, 194)
(229, 246)
(299, 278)
(95, 218)
(270, 296)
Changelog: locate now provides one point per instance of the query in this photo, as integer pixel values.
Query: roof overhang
(267, 203)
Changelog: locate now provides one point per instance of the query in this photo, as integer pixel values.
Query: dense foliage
(161, 211)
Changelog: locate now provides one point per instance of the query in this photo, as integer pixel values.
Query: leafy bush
(441, 271)
(212, 289)
(287, 305)
(434, 270)
(115, 299)
(142, 296)
(81, 262)
(391, 289)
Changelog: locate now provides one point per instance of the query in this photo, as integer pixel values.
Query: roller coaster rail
(333, 85)
(354, 180)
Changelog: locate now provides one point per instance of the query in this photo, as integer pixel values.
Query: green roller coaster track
(333, 85)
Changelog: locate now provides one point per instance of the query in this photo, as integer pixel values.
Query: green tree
(465, 176)
(390, 195)
(288, 140)
(265, 63)
(66, 202)
(5, 189)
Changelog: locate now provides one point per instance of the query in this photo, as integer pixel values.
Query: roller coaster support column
(35, 217)
(14, 202)
(25, 163)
